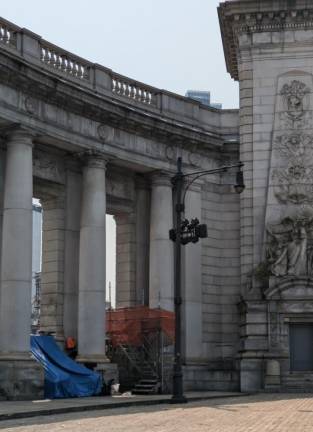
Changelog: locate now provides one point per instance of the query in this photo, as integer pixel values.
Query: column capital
(94, 158)
(161, 178)
(19, 134)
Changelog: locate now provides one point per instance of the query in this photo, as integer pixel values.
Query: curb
(113, 405)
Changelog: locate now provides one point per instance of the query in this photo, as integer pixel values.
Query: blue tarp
(64, 378)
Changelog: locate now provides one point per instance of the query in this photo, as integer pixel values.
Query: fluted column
(161, 278)
(16, 257)
(92, 272)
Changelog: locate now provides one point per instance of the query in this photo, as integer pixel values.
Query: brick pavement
(258, 413)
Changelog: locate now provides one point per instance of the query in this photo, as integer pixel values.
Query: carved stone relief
(295, 115)
(31, 105)
(293, 151)
(293, 181)
(105, 133)
(290, 247)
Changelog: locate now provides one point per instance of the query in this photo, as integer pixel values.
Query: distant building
(204, 97)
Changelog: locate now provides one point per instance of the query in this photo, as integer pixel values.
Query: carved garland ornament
(293, 179)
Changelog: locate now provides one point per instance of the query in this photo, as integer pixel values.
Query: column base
(108, 371)
(21, 378)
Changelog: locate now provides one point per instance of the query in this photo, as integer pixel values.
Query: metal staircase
(150, 365)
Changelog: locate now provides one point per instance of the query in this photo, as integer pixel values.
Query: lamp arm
(208, 172)
(196, 178)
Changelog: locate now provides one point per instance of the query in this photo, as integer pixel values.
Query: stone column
(16, 273)
(92, 274)
(142, 241)
(161, 280)
(71, 251)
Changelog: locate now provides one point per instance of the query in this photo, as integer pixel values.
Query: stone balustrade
(8, 33)
(131, 89)
(64, 62)
(38, 52)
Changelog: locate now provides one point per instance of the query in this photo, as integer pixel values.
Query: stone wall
(221, 283)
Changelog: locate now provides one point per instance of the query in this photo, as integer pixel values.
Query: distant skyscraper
(204, 97)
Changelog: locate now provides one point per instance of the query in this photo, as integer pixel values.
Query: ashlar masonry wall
(221, 285)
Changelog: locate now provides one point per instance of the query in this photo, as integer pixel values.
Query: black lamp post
(184, 233)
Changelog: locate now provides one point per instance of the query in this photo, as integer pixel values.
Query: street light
(186, 231)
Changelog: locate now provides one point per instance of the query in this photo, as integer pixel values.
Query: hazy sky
(170, 44)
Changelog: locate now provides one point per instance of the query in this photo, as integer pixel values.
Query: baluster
(53, 58)
(46, 56)
(79, 70)
(75, 69)
(6, 35)
(145, 96)
(58, 62)
(1, 33)
(63, 64)
(113, 85)
(129, 90)
(133, 92)
(86, 70)
(69, 66)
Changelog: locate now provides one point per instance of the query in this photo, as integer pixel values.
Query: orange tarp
(129, 325)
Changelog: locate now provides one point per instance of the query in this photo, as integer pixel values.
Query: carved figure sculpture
(290, 247)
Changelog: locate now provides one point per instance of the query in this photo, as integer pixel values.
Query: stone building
(87, 141)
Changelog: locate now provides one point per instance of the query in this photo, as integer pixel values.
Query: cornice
(251, 16)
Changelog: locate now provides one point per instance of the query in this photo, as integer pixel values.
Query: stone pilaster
(16, 381)
(92, 271)
(161, 271)
(125, 259)
(52, 278)
(71, 251)
(192, 284)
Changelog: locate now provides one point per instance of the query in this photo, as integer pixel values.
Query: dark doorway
(301, 347)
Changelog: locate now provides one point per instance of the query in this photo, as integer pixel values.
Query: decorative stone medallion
(105, 133)
(31, 105)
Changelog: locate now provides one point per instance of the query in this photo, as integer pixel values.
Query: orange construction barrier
(129, 325)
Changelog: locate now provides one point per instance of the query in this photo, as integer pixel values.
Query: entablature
(46, 72)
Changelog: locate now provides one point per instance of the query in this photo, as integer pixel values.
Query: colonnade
(16, 256)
